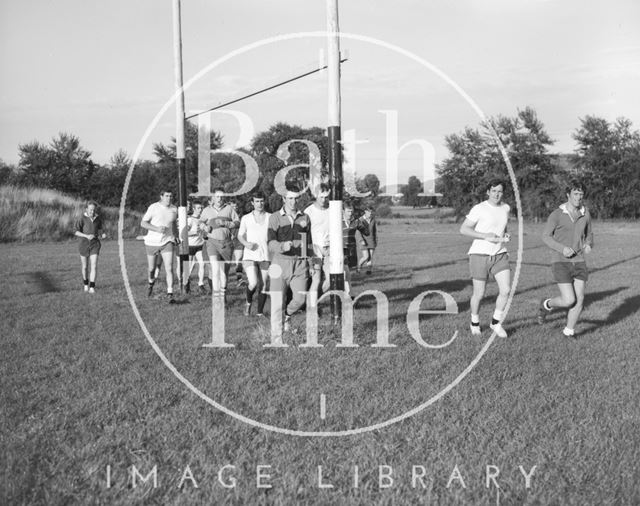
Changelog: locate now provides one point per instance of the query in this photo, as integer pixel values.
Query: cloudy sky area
(103, 70)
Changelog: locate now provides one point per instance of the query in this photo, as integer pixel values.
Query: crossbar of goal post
(263, 90)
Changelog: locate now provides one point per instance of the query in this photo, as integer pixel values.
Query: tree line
(607, 159)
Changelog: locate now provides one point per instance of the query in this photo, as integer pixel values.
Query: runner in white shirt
(161, 222)
(318, 213)
(487, 224)
(255, 260)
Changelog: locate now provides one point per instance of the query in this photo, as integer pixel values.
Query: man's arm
(547, 237)
(467, 228)
(146, 222)
(79, 230)
(275, 246)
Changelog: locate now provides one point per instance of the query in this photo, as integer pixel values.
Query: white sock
(497, 315)
(475, 318)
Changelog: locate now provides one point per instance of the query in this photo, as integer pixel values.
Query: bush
(383, 211)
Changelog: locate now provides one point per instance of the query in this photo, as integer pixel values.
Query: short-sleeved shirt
(160, 216)
(488, 219)
(256, 233)
(319, 228)
(211, 213)
(196, 237)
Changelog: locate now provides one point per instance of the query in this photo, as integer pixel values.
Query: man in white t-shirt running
(318, 214)
(161, 222)
(486, 223)
(255, 258)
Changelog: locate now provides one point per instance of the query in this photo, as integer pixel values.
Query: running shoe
(475, 330)
(150, 289)
(497, 328)
(247, 309)
(92, 290)
(542, 312)
(170, 298)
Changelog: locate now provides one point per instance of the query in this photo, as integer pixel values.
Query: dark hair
(258, 195)
(574, 184)
(91, 203)
(323, 188)
(217, 189)
(293, 188)
(495, 182)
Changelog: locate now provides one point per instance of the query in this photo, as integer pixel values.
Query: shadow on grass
(590, 298)
(629, 307)
(44, 281)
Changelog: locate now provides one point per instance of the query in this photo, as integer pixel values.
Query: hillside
(33, 214)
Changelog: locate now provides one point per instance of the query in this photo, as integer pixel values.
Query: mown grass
(83, 390)
(34, 214)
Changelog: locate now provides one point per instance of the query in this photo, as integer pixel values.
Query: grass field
(84, 393)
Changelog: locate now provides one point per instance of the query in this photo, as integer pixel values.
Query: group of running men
(289, 250)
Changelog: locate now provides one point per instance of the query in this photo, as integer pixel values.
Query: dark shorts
(351, 256)
(219, 250)
(566, 272)
(88, 248)
(194, 249)
(480, 266)
(167, 247)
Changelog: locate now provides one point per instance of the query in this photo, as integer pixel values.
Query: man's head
(197, 209)
(575, 193)
(91, 208)
(290, 201)
(257, 199)
(347, 210)
(165, 198)
(217, 197)
(322, 198)
(495, 191)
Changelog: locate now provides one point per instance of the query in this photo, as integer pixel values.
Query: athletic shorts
(167, 247)
(480, 266)
(194, 249)
(88, 248)
(566, 272)
(219, 250)
(351, 256)
(261, 265)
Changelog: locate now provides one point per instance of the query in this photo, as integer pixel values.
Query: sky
(103, 70)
